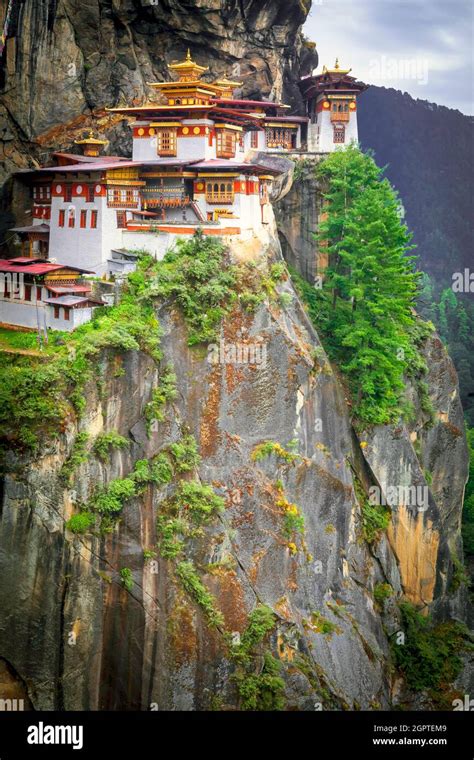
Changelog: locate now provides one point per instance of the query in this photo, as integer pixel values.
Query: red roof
(66, 289)
(261, 103)
(79, 158)
(216, 163)
(36, 267)
(94, 166)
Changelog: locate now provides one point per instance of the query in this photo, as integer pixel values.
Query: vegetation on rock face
(382, 592)
(105, 442)
(79, 454)
(161, 395)
(39, 392)
(198, 278)
(192, 584)
(364, 310)
(429, 657)
(375, 517)
(267, 448)
(81, 523)
(257, 673)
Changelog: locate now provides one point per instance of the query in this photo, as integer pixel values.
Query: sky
(423, 47)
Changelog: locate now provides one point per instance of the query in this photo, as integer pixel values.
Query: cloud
(423, 47)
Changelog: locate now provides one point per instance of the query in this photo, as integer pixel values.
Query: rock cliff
(79, 634)
(103, 620)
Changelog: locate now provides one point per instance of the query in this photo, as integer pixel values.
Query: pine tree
(366, 306)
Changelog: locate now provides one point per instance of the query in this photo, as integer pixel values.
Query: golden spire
(336, 70)
(92, 145)
(188, 70)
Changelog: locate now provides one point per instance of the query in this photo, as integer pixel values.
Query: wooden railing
(219, 197)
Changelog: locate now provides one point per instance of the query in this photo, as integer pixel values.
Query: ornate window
(254, 139)
(225, 143)
(339, 134)
(279, 138)
(71, 217)
(83, 219)
(340, 110)
(62, 215)
(166, 142)
(122, 197)
(93, 220)
(219, 191)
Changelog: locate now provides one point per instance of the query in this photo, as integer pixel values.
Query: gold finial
(336, 65)
(188, 55)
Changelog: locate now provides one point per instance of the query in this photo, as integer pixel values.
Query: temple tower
(331, 103)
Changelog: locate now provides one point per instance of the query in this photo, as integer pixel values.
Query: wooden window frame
(220, 190)
(225, 143)
(94, 219)
(167, 141)
(83, 220)
(61, 217)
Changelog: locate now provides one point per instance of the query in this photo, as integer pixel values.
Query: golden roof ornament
(336, 70)
(188, 70)
(92, 145)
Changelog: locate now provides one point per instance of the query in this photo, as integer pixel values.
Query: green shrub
(107, 441)
(185, 454)
(429, 659)
(263, 690)
(198, 501)
(113, 497)
(267, 448)
(197, 276)
(79, 454)
(81, 522)
(193, 585)
(127, 578)
(382, 592)
(375, 517)
(160, 396)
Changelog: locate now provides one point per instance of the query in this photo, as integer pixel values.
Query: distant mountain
(429, 153)
(429, 150)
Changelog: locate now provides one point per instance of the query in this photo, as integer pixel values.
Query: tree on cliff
(365, 306)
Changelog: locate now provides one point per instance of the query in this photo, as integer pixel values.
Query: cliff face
(77, 637)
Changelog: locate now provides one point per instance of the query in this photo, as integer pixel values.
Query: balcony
(219, 197)
(339, 115)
